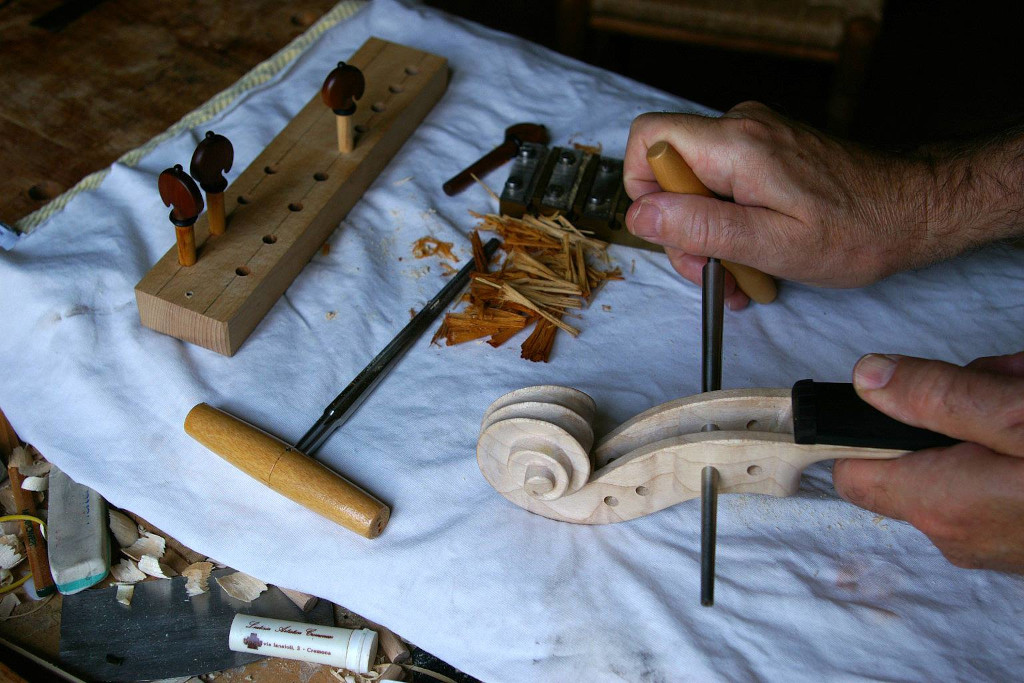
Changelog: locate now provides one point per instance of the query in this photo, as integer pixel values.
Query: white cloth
(808, 587)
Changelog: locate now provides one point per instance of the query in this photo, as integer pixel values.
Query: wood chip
(125, 594)
(431, 246)
(35, 483)
(197, 576)
(12, 552)
(147, 544)
(152, 566)
(23, 459)
(545, 276)
(20, 458)
(124, 529)
(126, 571)
(8, 605)
(242, 586)
(6, 577)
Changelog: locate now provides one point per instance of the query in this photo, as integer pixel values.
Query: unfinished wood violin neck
(283, 207)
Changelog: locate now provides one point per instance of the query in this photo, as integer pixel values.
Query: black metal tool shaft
(712, 310)
(708, 528)
(349, 400)
(712, 313)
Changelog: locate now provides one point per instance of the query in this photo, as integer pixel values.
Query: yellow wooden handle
(674, 175)
(287, 471)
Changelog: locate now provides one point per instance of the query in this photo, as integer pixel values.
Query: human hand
(806, 206)
(968, 499)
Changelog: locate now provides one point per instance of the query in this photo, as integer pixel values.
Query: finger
(1012, 364)
(965, 403)
(694, 136)
(965, 498)
(692, 268)
(704, 226)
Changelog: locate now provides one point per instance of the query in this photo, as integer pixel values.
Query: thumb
(706, 226)
(969, 403)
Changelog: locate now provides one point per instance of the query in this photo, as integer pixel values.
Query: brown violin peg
(212, 159)
(342, 87)
(180, 192)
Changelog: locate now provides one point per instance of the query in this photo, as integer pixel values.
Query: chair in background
(840, 32)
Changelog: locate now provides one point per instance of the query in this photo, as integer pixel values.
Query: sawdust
(331, 315)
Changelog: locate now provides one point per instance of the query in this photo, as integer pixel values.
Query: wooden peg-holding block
(284, 206)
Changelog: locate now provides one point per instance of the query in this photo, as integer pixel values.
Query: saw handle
(674, 175)
(287, 471)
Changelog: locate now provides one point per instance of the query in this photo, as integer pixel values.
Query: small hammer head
(342, 87)
(180, 192)
(213, 157)
(527, 132)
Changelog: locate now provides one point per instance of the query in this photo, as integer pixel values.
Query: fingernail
(646, 220)
(874, 371)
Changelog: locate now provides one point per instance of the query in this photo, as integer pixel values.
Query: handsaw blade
(164, 633)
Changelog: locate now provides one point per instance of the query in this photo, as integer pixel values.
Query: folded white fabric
(808, 587)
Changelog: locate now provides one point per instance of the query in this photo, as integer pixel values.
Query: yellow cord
(7, 589)
(42, 529)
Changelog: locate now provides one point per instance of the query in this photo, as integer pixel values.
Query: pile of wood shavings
(544, 276)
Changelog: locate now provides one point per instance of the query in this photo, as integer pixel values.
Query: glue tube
(354, 650)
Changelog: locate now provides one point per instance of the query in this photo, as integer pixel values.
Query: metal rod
(712, 307)
(349, 400)
(708, 530)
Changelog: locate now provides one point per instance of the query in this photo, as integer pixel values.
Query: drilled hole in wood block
(242, 271)
(754, 470)
(44, 191)
(360, 129)
(295, 206)
(378, 107)
(412, 70)
(189, 294)
(611, 501)
(396, 88)
(242, 199)
(752, 424)
(642, 491)
(269, 239)
(269, 170)
(320, 177)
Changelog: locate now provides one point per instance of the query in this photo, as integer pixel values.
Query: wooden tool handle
(287, 471)
(35, 546)
(674, 175)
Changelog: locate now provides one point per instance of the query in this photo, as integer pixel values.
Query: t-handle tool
(674, 175)
(515, 136)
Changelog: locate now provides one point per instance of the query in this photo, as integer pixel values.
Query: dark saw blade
(164, 633)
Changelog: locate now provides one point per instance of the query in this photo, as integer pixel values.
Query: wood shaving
(8, 504)
(12, 552)
(8, 605)
(124, 529)
(35, 483)
(155, 568)
(216, 563)
(403, 181)
(6, 577)
(20, 458)
(241, 586)
(147, 544)
(125, 594)
(126, 571)
(431, 246)
(545, 276)
(29, 467)
(494, 195)
(447, 270)
(197, 576)
(326, 249)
